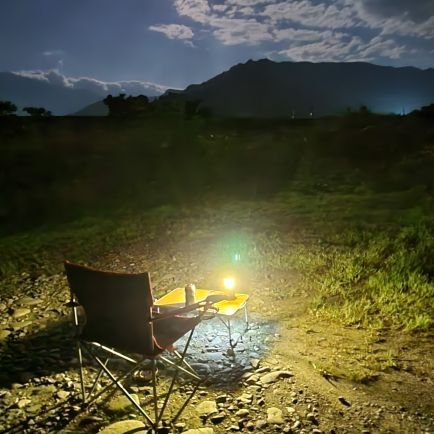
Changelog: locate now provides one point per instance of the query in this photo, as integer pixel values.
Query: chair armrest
(203, 305)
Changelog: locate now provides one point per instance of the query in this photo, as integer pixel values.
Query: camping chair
(121, 321)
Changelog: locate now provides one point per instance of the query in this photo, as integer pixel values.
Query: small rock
(20, 311)
(217, 418)
(221, 399)
(121, 403)
(63, 394)
(274, 416)
(242, 413)
(261, 424)
(205, 408)
(311, 417)
(296, 425)
(199, 431)
(246, 398)
(344, 401)
(250, 426)
(272, 377)
(124, 427)
(255, 363)
(28, 301)
(23, 402)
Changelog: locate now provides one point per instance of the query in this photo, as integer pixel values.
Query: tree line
(141, 105)
(8, 108)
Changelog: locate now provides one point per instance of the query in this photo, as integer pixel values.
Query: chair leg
(97, 379)
(174, 377)
(180, 357)
(125, 391)
(154, 390)
(80, 360)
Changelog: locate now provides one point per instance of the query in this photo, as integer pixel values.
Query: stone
(311, 417)
(62, 394)
(221, 399)
(217, 418)
(124, 427)
(242, 413)
(272, 377)
(274, 416)
(28, 301)
(343, 401)
(4, 334)
(263, 369)
(121, 403)
(199, 431)
(246, 398)
(20, 312)
(24, 402)
(296, 425)
(205, 408)
(261, 424)
(255, 363)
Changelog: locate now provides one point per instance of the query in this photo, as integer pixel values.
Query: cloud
(318, 30)
(174, 31)
(396, 17)
(416, 11)
(49, 53)
(132, 87)
(343, 47)
(307, 13)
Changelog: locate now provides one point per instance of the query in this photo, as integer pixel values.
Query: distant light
(229, 282)
(237, 257)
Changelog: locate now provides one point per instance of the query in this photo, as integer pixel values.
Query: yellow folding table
(227, 309)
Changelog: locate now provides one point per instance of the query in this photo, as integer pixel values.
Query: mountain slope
(268, 89)
(96, 109)
(25, 91)
(65, 95)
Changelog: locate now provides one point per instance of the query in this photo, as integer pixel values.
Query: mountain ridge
(264, 88)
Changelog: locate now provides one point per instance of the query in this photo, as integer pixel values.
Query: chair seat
(165, 332)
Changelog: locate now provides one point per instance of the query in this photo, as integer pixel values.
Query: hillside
(268, 89)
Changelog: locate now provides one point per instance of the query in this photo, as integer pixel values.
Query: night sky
(178, 42)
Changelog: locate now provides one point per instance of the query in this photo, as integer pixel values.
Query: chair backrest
(117, 307)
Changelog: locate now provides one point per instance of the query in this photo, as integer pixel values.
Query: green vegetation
(347, 202)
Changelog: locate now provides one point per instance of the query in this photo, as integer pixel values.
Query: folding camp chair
(121, 321)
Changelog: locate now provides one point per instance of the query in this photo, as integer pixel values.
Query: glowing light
(229, 283)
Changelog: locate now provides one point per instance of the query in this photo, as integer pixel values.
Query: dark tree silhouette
(37, 112)
(7, 108)
(132, 106)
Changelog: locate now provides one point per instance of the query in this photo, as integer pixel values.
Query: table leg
(246, 317)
